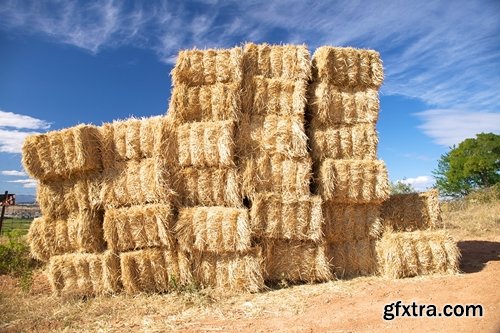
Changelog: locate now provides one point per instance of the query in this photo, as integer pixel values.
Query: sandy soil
(340, 306)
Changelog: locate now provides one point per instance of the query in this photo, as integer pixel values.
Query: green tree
(400, 187)
(474, 164)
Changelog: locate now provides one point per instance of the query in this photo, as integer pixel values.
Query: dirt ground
(340, 306)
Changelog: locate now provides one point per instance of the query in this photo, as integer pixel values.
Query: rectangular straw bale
(272, 134)
(353, 181)
(131, 139)
(274, 218)
(205, 103)
(330, 105)
(213, 229)
(295, 261)
(289, 62)
(348, 67)
(62, 154)
(153, 270)
(137, 183)
(83, 274)
(352, 258)
(209, 187)
(412, 211)
(206, 144)
(279, 97)
(59, 199)
(287, 177)
(356, 142)
(208, 67)
(406, 254)
(135, 227)
(351, 222)
(81, 232)
(240, 272)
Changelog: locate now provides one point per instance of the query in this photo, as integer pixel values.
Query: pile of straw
(84, 274)
(413, 211)
(295, 261)
(60, 154)
(154, 270)
(264, 169)
(274, 218)
(406, 254)
(130, 228)
(213, 229)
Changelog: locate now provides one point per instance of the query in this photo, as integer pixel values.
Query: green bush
(15, 258)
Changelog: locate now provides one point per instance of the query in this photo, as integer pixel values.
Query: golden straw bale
(59, 199)
(131, 139)
(137, 183)
(287, 177)
(83, 274)
(209, 187)
(348, 67)
(213, 229)
(272, 134)
(62, 154)
(208, 67)
(352, 258)
(351, 222)
(130, 228)
(205, 103)
(153, 270)
(274, 218)
(412, 211)
(80, 232)
(279, 97)
(406, 254)
(289, 62)
(206, 144)
(330, 105)
(353, 181)
(356, 142)
(295, 261)
(229, 271)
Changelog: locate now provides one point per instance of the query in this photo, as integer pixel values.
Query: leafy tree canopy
(474, 164)
(400, 187)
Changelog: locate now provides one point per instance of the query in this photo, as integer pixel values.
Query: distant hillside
(25, 199)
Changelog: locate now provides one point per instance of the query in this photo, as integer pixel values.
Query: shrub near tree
(473, 165)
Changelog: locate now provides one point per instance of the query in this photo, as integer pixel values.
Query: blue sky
(67, 62)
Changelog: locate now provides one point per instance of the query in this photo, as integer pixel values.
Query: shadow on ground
(476, 254)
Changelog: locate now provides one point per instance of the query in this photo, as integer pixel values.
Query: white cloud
(10, 119)
(11, 140)
(419, 183)
(448, 127)
(27, 183)
(14, 173)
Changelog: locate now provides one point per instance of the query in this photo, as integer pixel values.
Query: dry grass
(352, 258)
(473, 217)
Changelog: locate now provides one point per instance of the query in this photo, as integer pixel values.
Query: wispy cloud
(14, 128)
(447, 56)
(14, 173)
(449, 127)
(27, 183)
(419, 183)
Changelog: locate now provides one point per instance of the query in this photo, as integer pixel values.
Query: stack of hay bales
(220, 192)
(343, 107)
(275, 164)
(412, 243)
(69, 235)
(213, 228)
